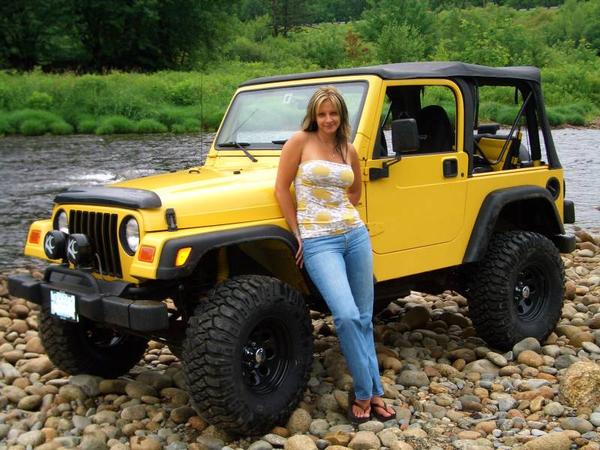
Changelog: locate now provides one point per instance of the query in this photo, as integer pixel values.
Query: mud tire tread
(212, 337)
(490, 291)
(66, 348)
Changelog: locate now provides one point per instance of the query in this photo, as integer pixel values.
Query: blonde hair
(309, 123)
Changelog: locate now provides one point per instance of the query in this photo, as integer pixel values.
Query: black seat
(436, 133)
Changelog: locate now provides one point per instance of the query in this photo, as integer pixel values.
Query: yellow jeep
(202, 259)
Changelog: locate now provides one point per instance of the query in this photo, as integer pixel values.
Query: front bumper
(95, 299)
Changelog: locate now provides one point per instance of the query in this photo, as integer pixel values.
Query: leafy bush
(185, 93)
(39, 100)
(150, 126)
(116, 125)
(87, 126)
(61, 128)
(32, 127)
(5, 127)
(187, 126)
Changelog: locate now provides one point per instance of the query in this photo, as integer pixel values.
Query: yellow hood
(207, 196)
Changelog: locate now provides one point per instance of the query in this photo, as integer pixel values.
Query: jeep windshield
(266, 118)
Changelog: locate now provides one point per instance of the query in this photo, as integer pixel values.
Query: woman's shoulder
(300, 137)
(352, 153)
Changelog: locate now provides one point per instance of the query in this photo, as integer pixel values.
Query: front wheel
(517, 290)
(87, 347)
(248, 354)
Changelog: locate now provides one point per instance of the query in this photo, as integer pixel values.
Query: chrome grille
(102, 231)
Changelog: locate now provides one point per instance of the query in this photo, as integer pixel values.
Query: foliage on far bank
(564, 42)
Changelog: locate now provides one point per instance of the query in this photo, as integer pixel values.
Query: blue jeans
(341, 267)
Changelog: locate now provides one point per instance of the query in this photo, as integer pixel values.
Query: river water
(34, 169)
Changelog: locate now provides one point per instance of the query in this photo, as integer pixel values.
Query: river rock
(144, 443)
(89, 384)
(133, 412)
(576, 423)
(299, 421)
(112, 386)
(364, 440)
(260, 445)
(31, 438)
(30, 402)
(157, 380)
(497, 359)
(529, 343)
(135, 389)
(41, 365)
(530, 358)
(580, 385)
(415, 317)
(552, 441)
(554, 409)
(300, 442)
(482, 366)
(72, 393)
(416, 378)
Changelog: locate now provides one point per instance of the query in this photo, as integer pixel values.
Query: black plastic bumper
(564, 243)
(95, 299)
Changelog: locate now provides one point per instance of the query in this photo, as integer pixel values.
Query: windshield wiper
(241, 145)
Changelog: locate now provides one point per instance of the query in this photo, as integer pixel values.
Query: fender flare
(204, 242)
(491, 209)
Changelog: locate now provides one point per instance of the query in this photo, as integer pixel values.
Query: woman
(333, 242)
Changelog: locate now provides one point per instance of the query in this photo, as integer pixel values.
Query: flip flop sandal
(383, 405)
(353, 417)
(350, 414)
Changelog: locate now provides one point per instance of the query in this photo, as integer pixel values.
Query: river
(34, 169)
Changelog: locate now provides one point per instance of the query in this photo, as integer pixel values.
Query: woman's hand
(299, 255)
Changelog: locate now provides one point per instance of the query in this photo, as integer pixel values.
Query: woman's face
(328, 118)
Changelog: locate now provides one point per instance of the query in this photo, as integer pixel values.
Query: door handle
(450, 167)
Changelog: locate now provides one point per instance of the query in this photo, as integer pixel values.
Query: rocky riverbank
(449, 389)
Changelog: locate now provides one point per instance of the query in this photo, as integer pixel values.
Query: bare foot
(361, 408)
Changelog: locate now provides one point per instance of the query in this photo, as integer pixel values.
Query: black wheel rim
(530, 292)
(265, 356)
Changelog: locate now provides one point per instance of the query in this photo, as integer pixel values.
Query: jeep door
(421, 203)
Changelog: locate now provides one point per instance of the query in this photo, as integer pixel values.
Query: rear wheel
(87, 347)
(248, 354)
(517, 290)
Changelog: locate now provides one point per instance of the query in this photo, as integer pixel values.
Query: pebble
(300, 442)
(364, 440)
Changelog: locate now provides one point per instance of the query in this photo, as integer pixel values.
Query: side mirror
(405, 136)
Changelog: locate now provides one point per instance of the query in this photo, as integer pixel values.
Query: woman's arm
(355, 190)
(291, 154)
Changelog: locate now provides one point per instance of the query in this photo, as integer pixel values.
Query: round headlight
(61, 222)
(130, 235)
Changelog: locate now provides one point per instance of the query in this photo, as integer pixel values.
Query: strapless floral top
(322, 199)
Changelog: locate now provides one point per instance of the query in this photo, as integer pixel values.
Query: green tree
(36, 33)
(578, 22)
(412, 19)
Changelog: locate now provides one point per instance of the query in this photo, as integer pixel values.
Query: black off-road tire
(85, 347)
(517, 290)
(248, 354)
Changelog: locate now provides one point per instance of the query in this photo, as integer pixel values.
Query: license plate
(63, 305)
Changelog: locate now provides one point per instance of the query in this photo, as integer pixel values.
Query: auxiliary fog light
(55, 244)
(79, 250)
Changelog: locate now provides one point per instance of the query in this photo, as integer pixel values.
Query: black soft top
(434, 69)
